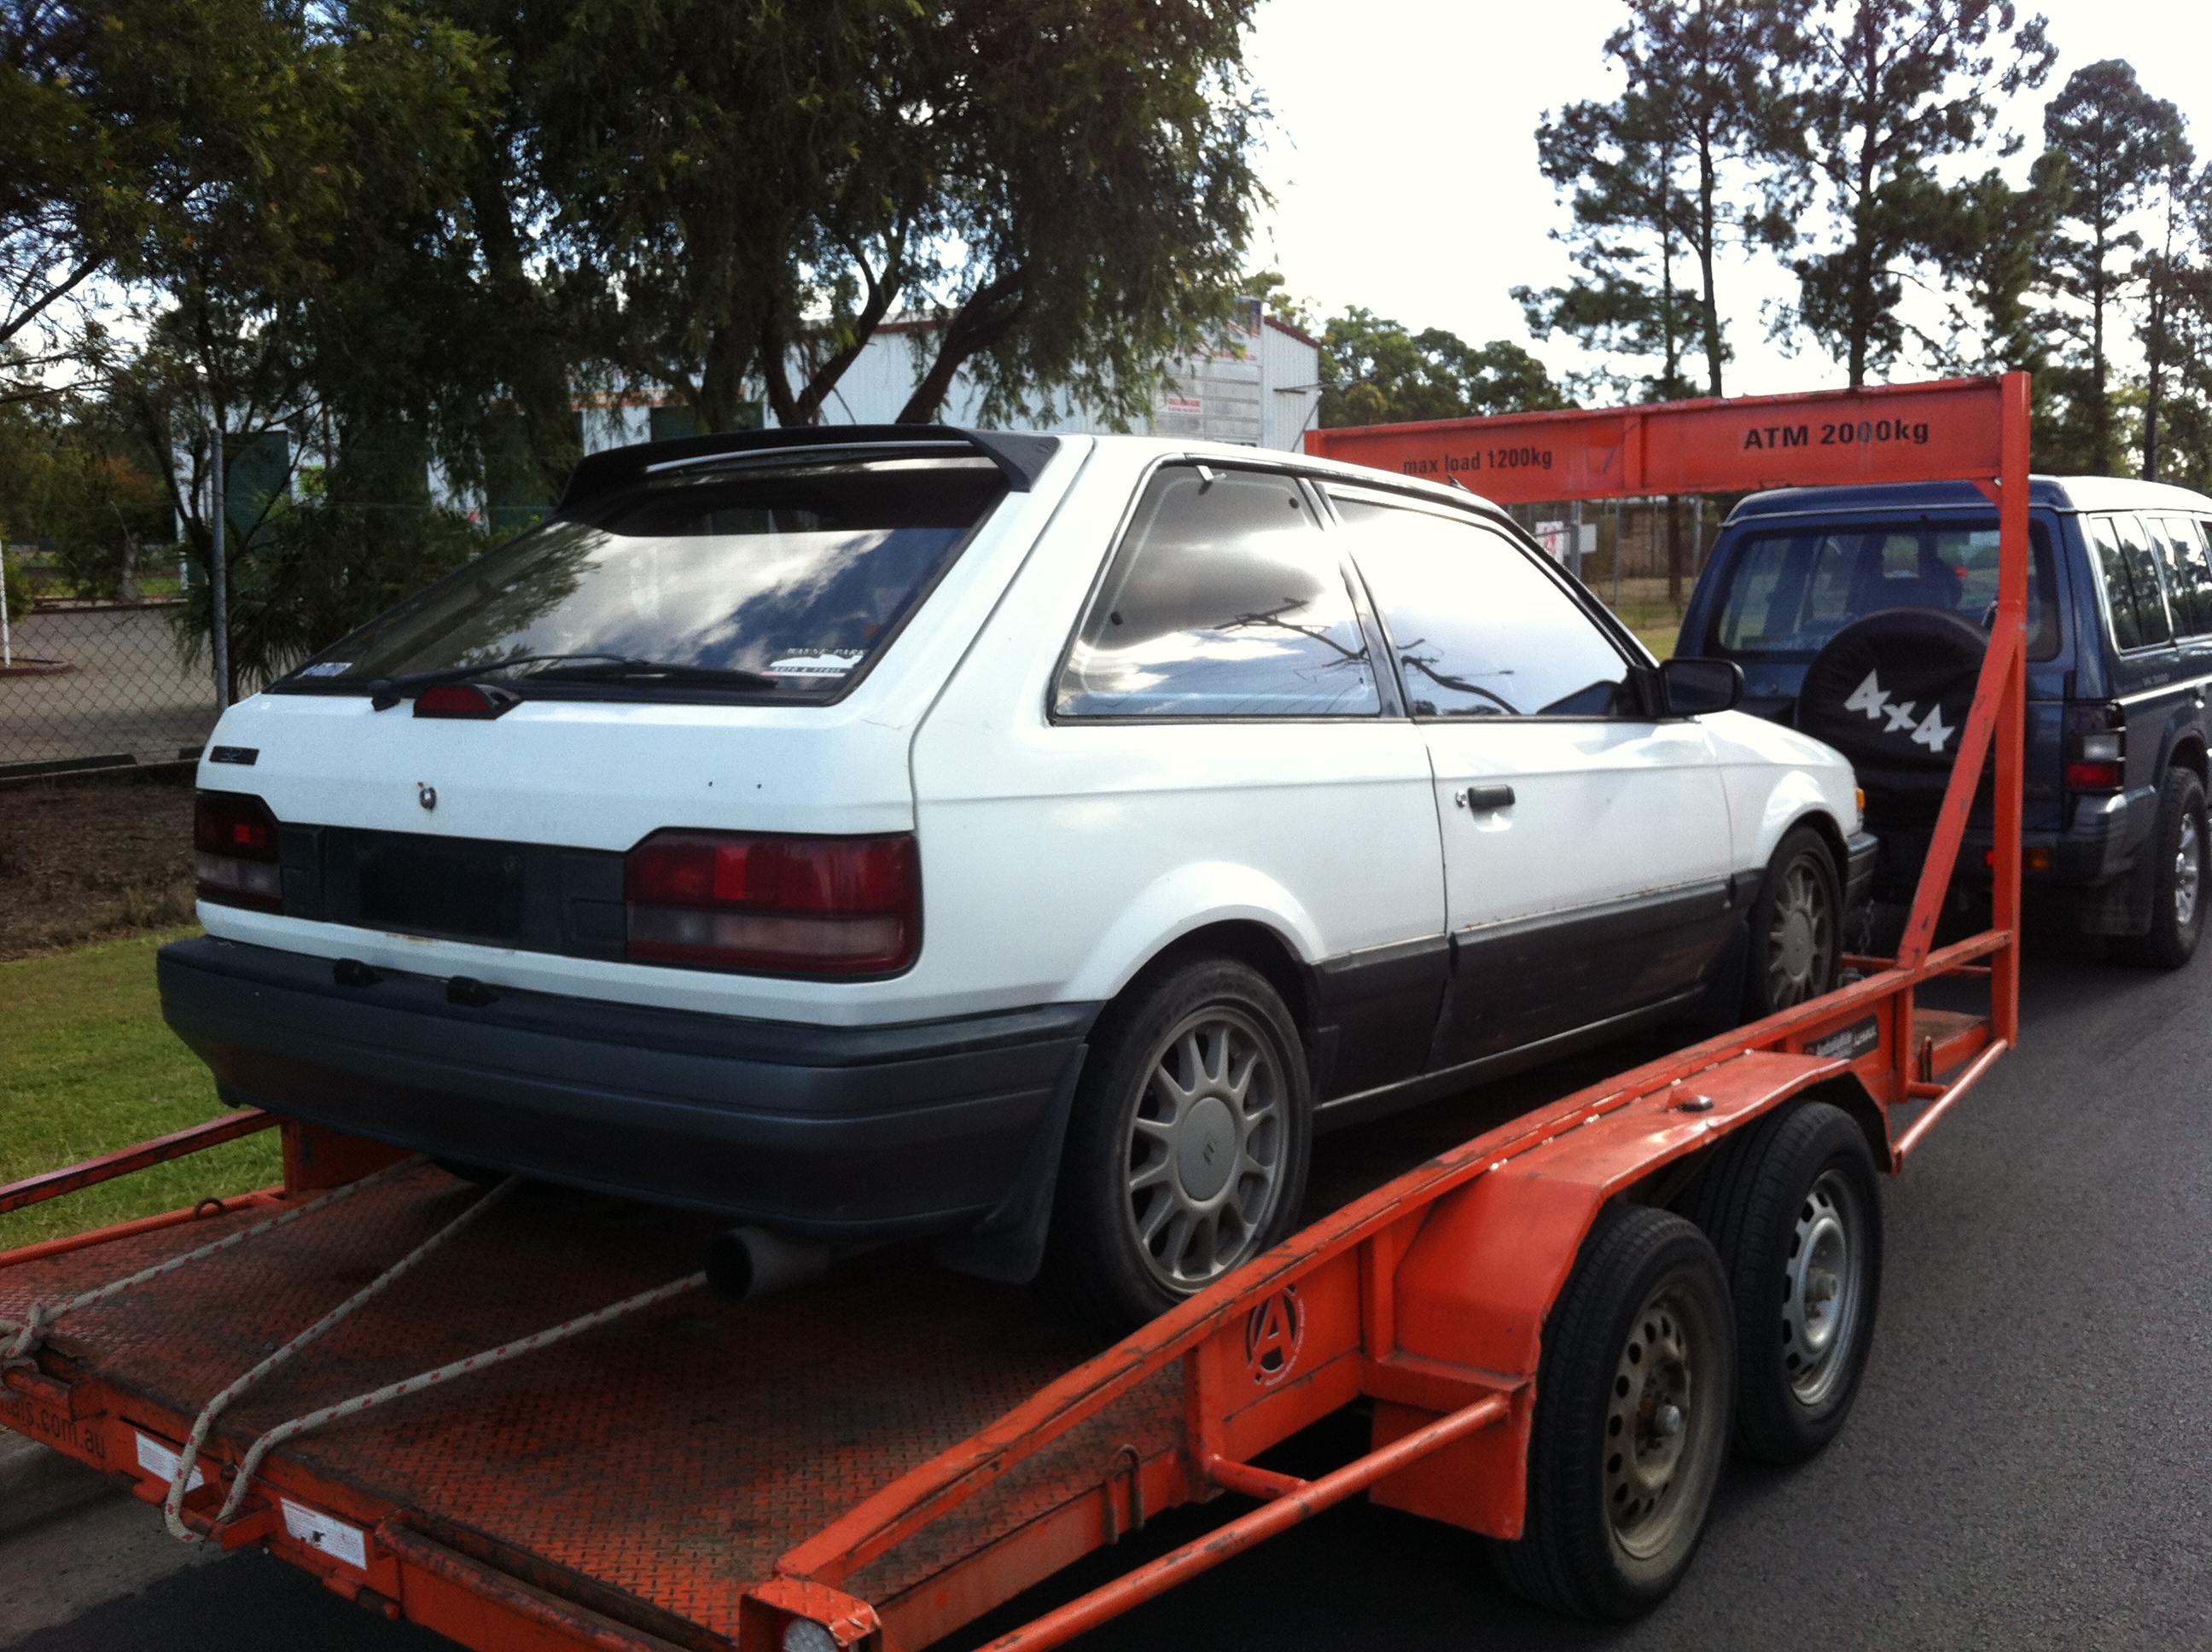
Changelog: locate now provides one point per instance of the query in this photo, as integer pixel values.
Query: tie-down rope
(31, 1330)
(507, 1351)
(180, 1481)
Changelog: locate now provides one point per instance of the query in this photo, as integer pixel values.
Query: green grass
(86, 1067)
(1644, 608)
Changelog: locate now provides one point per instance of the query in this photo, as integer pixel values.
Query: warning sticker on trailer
(160, 1461)
(319, 1531)
(1859, 1038)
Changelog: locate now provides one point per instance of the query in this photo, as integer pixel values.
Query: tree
(1647, 174)
(68, 189)
(1062, 187)
(289, 280)
(1373, 371)
(1992, 243)
(1877, 92)
(2120, 145)
(2177, 336)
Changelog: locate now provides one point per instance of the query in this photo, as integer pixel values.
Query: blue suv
(1860, 616)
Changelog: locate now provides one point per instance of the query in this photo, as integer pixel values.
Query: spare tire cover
(1891, 692)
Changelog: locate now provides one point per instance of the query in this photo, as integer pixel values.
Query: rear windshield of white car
(1790, 589)
(780, 583)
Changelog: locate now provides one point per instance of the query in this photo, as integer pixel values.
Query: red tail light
(464, 700)
(2093, 777)
(794, 906)
(235, 858)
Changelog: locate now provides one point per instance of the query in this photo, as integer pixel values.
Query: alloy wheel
(2188, 872)
(1205, 1161)
(1798, 940)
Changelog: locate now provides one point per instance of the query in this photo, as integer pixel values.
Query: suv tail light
(235, 859)
(2096, 754)
(795, 906)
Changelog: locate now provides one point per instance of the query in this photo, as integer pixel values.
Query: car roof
(2078, 493)
(1021, 455)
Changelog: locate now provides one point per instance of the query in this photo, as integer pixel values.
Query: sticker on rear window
(826, 662)
(327, 668)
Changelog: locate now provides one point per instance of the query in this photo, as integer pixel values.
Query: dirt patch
(79, 862)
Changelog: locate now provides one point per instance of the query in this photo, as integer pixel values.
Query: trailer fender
(1493, 1256)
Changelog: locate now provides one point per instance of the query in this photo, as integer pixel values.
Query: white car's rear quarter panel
(603, 775)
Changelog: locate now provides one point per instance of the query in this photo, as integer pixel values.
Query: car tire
(1794, 1207)
(1187, 1145)
(2177, 878)
(1635, 1394)
(1797, 926)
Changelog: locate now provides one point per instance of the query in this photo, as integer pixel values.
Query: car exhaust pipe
(748, 1261)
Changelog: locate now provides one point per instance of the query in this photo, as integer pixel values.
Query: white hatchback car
(1033, 842)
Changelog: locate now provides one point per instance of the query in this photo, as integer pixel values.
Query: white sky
(1403, 157)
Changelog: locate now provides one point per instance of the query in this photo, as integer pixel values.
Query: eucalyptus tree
(1059, 189)
(1374, 371)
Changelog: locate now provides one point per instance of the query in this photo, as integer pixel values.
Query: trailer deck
(885, 1455)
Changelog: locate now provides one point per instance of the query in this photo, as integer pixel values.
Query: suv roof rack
(1020, 458)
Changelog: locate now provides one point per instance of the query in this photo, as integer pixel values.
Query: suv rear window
(783, 581)
(1792, 589)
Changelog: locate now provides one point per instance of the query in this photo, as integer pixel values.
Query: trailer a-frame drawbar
(525, 1422)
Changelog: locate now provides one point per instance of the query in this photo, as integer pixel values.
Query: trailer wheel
(1797, 926)
(1634, 1395)
(1187, 1149)
(1793, 1206)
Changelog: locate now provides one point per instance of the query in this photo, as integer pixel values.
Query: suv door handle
(1482, 797)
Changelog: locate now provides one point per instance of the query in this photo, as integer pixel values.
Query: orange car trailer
(537, 1430)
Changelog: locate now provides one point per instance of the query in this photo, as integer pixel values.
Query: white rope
(172, 1505)
(491, 1356)
(30, 1331)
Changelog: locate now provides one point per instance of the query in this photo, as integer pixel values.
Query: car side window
(2188, 575)
(2119, 585)
(2151, 622)
(1223, 599)
(1479, 628)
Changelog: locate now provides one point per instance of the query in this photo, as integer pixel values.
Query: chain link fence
(87, 684)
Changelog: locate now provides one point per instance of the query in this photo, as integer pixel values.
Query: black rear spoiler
(1020, 458)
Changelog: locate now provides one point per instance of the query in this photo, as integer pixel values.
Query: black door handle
(1482, 797)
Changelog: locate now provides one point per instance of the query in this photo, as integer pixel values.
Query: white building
(1258, 387)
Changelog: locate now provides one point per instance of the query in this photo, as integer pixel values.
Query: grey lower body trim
(1387, 1099)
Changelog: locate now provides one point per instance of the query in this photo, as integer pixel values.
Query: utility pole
(219, 577)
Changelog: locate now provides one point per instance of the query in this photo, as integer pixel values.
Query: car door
(1586, 845)
(1214, 746)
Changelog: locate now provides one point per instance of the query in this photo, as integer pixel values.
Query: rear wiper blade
(600, 668)
(388, 691)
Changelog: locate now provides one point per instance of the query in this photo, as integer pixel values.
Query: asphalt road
(2030, 1465)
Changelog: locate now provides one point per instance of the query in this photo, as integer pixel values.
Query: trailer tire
(1793, 1204)
(1172, 1178)
(2177, 847)
(1600, 1539)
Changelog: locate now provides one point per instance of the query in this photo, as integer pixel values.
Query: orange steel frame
(1426, 1296)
